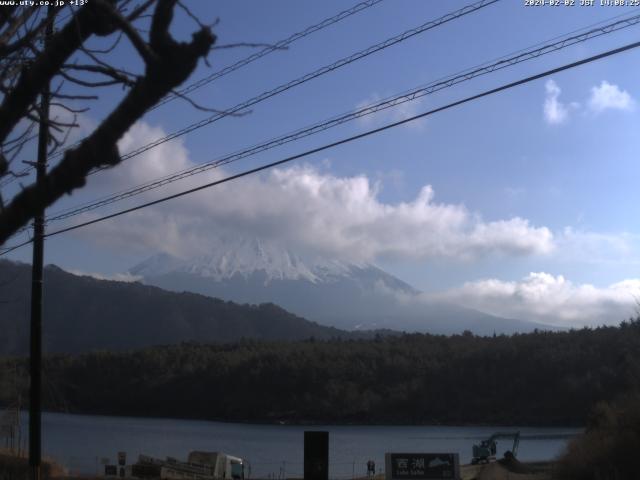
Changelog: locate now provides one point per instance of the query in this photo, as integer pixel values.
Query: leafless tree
(27, 66)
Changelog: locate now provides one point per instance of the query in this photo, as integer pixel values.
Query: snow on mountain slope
(342, 294)
(246, 257)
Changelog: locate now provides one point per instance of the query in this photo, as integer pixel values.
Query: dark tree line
(541, 378)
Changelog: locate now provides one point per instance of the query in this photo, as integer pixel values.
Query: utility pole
(35, 357)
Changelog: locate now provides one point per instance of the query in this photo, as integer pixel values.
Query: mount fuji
(346, 295)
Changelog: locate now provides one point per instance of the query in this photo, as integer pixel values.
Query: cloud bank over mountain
(305, 208)
(309, 210)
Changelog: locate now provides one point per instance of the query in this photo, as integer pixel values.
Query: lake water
(80, 442)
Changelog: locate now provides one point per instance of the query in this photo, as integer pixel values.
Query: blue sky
(521, 204)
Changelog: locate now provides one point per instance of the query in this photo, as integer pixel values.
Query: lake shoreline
(313, 423)
(80, 442)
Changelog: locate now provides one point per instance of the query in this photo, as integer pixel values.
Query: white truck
(199, 466)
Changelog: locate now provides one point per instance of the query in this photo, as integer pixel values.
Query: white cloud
(603, 97)
(157, 162)
(118, 277)
(549, 299)
(555, 112)
(609, 96)
(309, 210)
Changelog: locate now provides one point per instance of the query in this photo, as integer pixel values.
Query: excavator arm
(487, 448)
(516, 442)
(514, 435)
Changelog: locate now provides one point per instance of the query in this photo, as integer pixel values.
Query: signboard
(422, 466)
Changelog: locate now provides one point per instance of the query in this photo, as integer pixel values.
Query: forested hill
(537, 379)
(83, 314)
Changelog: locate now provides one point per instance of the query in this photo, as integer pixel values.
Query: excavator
(485, 451)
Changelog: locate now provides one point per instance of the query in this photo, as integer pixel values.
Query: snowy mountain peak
(159, 264)
(246, 257)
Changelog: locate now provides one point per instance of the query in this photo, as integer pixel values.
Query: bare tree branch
(249, 45)
(206, 109)
(89, 20)
(15, 25)
(31, 34)
(137, 13)
(169, 65)
(88, 83)
(134, 37)
(68, 108)
(120, 76)
(75, 97)
(109, 49)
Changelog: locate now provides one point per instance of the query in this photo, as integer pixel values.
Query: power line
(14, 247)
(521, 56)
(310, 76)
(349, 139)
(305, 78)
(300, 80)
(276, 46)
(279, 45)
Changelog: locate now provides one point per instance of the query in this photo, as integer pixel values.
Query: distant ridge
(82, 314)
